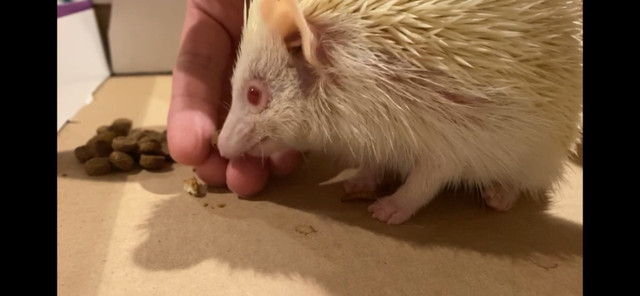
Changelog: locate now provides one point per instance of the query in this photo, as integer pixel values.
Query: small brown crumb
(97, 166)
(152, 162)
(121, 160)
(64, 174)
(221, 205)
(206, 205)
(194, 188)
(193, 169)
(305, 229)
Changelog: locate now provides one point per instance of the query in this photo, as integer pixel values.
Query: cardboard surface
(144, 35)
(141, 234)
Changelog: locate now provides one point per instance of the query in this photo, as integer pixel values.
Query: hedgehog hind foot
(499, 197)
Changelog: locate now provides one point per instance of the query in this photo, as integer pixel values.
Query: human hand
(201, 93)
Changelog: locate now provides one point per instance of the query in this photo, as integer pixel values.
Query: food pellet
(121, 126)
(153, 135)
(83, 153)
(152, 162)
(122, 148)
(136, 134)
(124, 144)
(165, 150)
(102, 129)
(106, 136)
(221, 205)
(99, 148)
(206, 205)
(149, 147)
(121, 160)
(97, 166)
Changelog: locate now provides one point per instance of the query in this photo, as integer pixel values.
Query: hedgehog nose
(233, 139)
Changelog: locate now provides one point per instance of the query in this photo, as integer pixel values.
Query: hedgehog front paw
(390, 211)
(499, 198)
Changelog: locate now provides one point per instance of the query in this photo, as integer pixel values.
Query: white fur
(476, 93)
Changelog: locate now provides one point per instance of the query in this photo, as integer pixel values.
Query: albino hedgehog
(483, 93)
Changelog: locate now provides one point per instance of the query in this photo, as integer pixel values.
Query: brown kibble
(124, 144)
(102, 129)
(152, 162)
(149, 146)
(99, 148)
(121, 160)
(214, 138)
(106, 136)
(368, 196)
(193, 187)
(97, 166)
(165, 149)
(136, 134)
(121, 126)
(221, 205)
(83, 153)
(152, 135)
(206, 205)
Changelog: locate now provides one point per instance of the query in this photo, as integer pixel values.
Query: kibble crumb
(305, 229)
(193, 187)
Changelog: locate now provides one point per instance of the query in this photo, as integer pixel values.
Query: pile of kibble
(118, 147)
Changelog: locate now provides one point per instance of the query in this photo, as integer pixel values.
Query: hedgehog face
(271, 86)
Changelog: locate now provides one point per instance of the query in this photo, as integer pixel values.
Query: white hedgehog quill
(483, 93)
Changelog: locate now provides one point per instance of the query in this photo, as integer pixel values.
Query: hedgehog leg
(365, 181)
(421, 187)
(499, 197)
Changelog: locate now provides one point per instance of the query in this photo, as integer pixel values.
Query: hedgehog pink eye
(253, 95)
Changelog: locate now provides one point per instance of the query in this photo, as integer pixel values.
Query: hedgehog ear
(286, 19)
